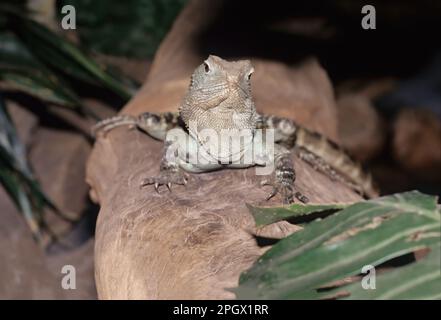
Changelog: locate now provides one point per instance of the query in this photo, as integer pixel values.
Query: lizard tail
(337, 158)
(106, 125)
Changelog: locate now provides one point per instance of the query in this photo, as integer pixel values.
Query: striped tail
(322, 153)
(338, 159)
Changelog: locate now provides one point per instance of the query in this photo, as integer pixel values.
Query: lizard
(219, 99)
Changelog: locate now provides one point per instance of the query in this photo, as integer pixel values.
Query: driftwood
(194, 242)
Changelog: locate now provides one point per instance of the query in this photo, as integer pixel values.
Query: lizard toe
(286, 192)
(165, 179)
(302, 198)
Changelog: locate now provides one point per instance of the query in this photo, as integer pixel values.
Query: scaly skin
(219, 98)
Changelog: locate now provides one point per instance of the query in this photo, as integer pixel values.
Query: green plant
(18, 180)
(311, 263)
(37, 62)
(137, 27)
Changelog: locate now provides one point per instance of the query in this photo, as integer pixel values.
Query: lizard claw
(265, 183)
(272, 194)
(167, 179)
(301, 197)
(286, 192)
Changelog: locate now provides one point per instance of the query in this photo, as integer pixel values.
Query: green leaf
(12, 184)
(137, 28)
(13, 52)
(419, 280)
(18, 180)
(13, 166)
(22, 71)
(268, 215)
(38, 85)
(365, 233)
(64, 57)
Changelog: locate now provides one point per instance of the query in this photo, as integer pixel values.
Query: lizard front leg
(169, 172)
(284, 177)
(155, 125)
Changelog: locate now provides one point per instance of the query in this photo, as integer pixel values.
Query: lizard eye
(249, 74)
(207, 67)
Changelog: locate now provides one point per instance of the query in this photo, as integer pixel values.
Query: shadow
(290, 31)
(80, 232)
(265, 241)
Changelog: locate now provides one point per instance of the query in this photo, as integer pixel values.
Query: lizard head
(219, 96)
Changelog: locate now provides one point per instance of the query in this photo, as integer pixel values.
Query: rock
(60, 168)
(25, 122)
(136, 68)
(24, 273)
(361, 129)
(58, 159)
(417, 143)
(81, 258)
